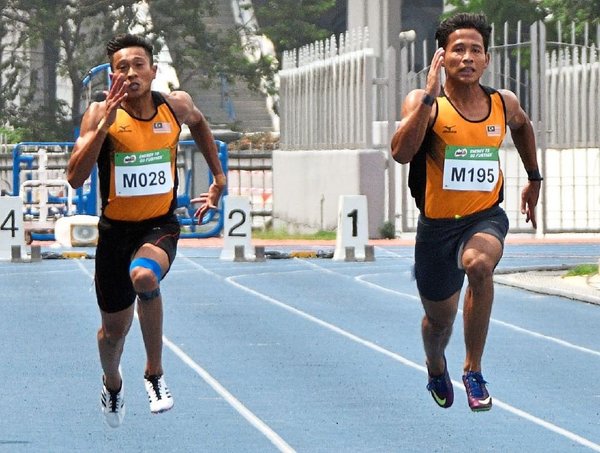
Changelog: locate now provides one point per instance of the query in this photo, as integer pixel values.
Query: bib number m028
(143, 173)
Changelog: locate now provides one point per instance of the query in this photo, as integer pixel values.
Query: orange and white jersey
(137, 165)
(457, 169)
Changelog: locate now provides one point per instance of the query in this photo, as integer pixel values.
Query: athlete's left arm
(187, 113)
(523, 137)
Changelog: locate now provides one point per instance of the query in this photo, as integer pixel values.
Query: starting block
(369, 254)
(239, 254)
(352, 230)
(259, 253)
(16, 256)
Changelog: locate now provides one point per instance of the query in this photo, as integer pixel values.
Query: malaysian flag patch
(494, 130)
(161, 128)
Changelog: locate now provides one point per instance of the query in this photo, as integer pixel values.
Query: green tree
(36, 28)
(69, 37)
(293, 23)
(201, 51)
(551, 12)
(61, 37)
(567, 12)
(510, 11)
(10, 66)
(85, 27)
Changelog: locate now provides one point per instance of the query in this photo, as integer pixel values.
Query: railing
(38, 177)
(251, 175)
(35, 163)
(212, 223)
(573, 90)
(558, 85)
(326, 94)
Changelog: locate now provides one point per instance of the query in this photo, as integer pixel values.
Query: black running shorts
(438, 249)
(117, 244)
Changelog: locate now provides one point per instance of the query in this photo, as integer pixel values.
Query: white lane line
(522, 330)
(518, 412)
(532, 333)
(403, 255)
(28, 274)
(507, 407)
(546, 337)
(261, 426)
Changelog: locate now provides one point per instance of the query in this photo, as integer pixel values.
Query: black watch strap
(428, 99)
(534, 175)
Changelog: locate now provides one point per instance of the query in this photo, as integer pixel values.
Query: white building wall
(307, 186)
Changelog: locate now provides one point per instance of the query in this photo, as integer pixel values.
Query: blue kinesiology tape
(148, 263)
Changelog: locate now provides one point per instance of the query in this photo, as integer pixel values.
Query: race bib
(471, 168)
(143, 173)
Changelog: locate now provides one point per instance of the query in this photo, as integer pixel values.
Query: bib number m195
(471, 168)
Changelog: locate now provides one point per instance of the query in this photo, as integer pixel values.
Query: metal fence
(250, 175)
(326, 94)
(36, 172)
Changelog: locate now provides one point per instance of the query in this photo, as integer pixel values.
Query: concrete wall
(307, 186)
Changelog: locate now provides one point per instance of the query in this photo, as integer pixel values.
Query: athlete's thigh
(442, 312)
(482, 246)
(114, 289)
(485, 239)
(437, 272)
(159, 243)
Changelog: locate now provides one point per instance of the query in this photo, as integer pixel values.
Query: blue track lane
(297, 355)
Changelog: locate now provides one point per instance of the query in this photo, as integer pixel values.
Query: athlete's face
(134, 64)
(465, 58)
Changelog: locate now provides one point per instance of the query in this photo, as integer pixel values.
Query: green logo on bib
(142, 158)
(471, 152)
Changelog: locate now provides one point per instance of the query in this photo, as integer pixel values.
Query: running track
(306, 355)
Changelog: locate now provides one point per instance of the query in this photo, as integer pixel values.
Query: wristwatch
(428, 99)
(534, 175)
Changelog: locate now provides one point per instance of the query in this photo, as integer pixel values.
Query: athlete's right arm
(418, 112)
(88, 145)
(94, 127)
(407, 139)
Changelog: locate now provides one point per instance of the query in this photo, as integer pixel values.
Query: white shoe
(113, 406)
(158, 394)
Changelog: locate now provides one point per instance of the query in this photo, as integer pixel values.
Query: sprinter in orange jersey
(451, 137)
(133, 137)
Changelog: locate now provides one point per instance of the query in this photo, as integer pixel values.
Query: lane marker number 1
(353, 226)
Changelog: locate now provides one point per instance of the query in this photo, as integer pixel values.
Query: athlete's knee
(478, 267)
(145, 272)
(112, 334)
(438, 326)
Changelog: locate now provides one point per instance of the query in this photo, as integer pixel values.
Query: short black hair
(127, 40)
(460, 21)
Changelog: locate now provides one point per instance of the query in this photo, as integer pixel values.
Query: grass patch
(283, 234)
(582, 270)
